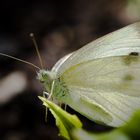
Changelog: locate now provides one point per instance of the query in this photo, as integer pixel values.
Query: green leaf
(64, 121)
(130, 131)
(80, 134)
(132, 128)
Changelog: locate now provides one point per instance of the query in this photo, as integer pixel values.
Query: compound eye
(45, 94)
(42, 81)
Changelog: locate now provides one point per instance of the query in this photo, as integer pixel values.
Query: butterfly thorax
(60, 90)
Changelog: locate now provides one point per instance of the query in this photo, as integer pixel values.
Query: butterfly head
(46, 77)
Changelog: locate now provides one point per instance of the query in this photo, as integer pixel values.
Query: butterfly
(100, 80)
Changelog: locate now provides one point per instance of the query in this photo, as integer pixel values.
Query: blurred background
(60, 27)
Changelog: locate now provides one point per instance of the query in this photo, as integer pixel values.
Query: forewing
(111, 83)
(60, 62)
(116, 74)
(120, 42)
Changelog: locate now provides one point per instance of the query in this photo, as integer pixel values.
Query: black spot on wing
(128, 77)
(134, 54)
(131, 58)
(126, 81)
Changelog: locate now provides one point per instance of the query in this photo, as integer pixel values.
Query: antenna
(23, 61)
(37, 50)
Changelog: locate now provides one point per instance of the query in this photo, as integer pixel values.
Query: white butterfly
(102, 79)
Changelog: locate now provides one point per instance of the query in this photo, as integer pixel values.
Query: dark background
(60, 27)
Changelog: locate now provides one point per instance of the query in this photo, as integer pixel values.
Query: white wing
(112, 84)
(110, 108)
(121, 42)
(60, 62)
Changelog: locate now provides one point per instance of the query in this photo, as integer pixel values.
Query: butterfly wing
(60, 62)
(120, 42)
(105, 89)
